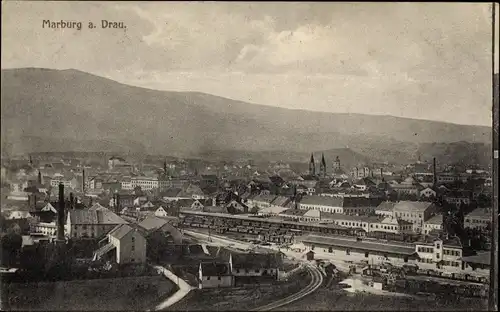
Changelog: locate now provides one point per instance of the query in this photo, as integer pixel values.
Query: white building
(214, 275)
(145, 183)
(427, 193)
(385, 209)
(126, 243)
(322, 203)
(161, 212)
(438, 254)
(391, 225)
(434, 223)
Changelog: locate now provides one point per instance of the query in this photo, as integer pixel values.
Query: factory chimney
(118, 203)
(39, 177)
(60, 214)
(434, 176)
(71, 201)
(83, 181)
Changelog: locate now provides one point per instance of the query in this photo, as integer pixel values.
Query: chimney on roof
(60, 214)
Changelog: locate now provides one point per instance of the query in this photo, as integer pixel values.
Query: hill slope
(62, 106)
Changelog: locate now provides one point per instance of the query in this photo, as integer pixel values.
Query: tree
(11, 245)
(254, 210)
(138, 191)
(483, 201)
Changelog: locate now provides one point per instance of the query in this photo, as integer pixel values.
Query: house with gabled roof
(385, 209)
(236, 206)
(87, 223)
(165, 225)
(161, 212)
(434, 223)
(215, 274)
(125, 244)
(255, 267)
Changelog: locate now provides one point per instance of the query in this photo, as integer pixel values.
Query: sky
(418, 60)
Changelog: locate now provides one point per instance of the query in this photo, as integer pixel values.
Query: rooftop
(322, 201)
(480, 213)
(479, 258)
(386, 206)
(437, 219)
(256, 261)
(363, 245)
(215, 268)
(412, 206)
(94, 217)
(123, 229)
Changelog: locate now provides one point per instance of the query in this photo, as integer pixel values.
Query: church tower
(312, 166)
(336, 164)
(322, 166)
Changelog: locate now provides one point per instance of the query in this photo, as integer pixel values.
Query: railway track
(316, 281)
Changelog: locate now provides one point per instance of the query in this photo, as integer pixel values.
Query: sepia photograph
(249, 156)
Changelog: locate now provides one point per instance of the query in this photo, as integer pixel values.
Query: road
(184, 289)
(316, 274)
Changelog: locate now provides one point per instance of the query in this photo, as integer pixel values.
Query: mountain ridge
(81, 106)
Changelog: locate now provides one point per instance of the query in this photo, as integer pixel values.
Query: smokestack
(434, 176)
(117, 202)
(83, 181)
(71, 201)
(60, 214)
(39, 177)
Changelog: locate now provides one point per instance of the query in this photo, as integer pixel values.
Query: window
(237, 270)
(437, 256)
(208, 278)
(406, 258)
(348, 252)
(366, 254)
(330, 249)
(256, 270)
(219, 278)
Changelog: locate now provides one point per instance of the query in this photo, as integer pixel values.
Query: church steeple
(312, 166)
(322, 166)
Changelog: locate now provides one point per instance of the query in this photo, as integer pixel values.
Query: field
(340, 300)
(114, 294)
(240, 298)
